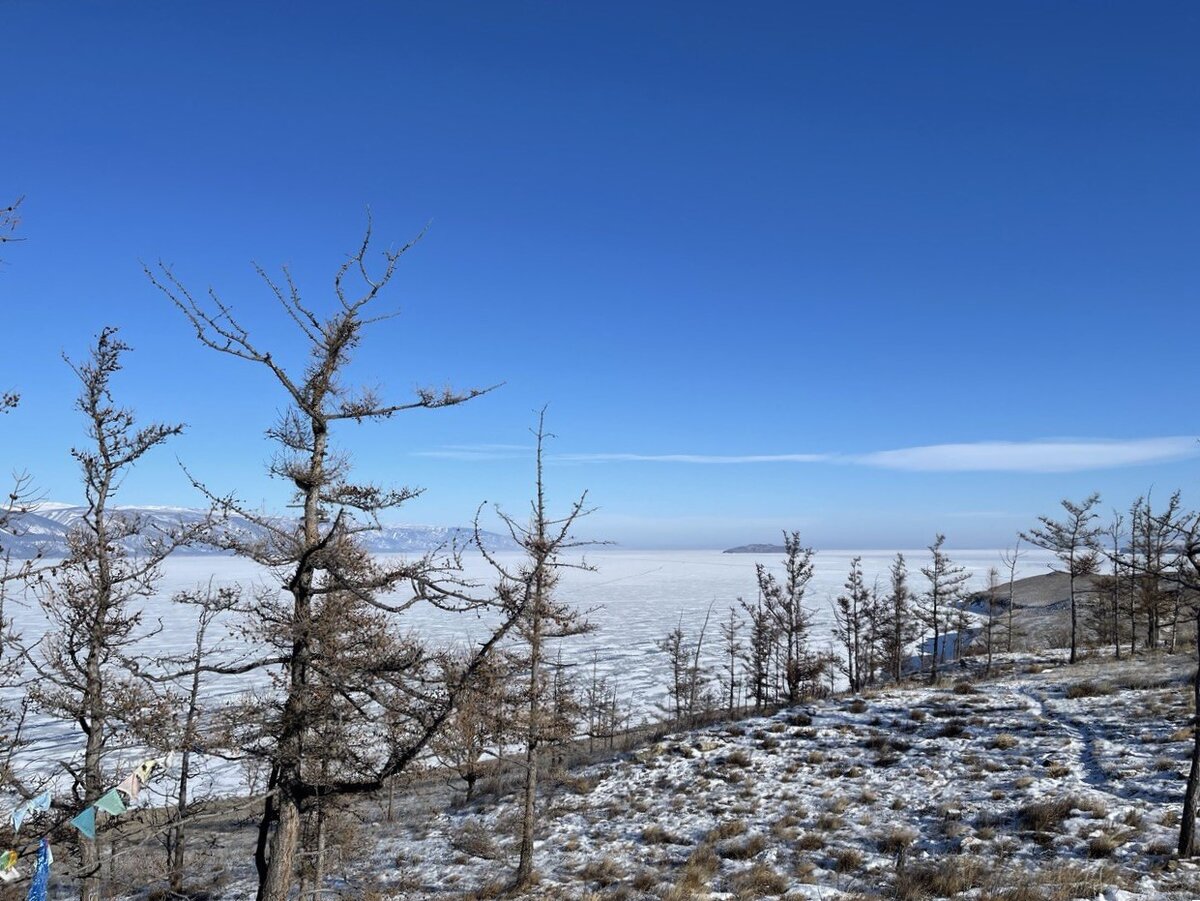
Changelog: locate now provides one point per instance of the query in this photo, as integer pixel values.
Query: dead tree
(946, 580)
(1074, 541)
(328, 581)
(187, 732)
(688, 689)
(1116, 535)
(544, 617)
(85, 663)
(1010, 558)
(993, 606)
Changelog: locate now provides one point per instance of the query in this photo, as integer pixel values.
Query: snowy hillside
(1049, 785)
(45, 531)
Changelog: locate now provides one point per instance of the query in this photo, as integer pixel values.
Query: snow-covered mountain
(44, 532)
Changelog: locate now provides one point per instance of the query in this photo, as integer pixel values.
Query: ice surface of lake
(635, 598)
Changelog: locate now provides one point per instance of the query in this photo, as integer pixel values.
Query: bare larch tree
(1151, 537)
(785, 603)
(1074, 541)
(1010, 557)
(1179, 573)
(946, 580)
(544, 617)
(850, 614)
(85, 664)
(327, 583)
(898, 619)
(731, 651)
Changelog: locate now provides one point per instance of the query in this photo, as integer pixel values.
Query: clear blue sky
(712, 232)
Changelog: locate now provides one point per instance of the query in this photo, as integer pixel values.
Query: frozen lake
(635, 598)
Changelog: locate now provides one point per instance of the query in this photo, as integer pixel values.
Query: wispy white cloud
(1059, 455)
(694, 458)
(478, 452)
(1074, 455)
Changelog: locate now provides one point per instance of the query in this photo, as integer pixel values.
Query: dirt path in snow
(1081, 743)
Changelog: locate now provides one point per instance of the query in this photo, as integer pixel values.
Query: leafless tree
(900, 628)
(1152, 533)
(93, 603)
(186, 729)
(1074, 541)
(946, 580)
(602, 707)
(785, 602)
(688, 691)
(759, 647)
(993, 608)
(14, 572)
(9, 221)
(1116, 535)
(731, 649)
(850, 612)
(1181, 572)
(543, 617)
(1010, 557)
(463, 742)
(327, 583)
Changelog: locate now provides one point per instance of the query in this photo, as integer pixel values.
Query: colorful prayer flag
(41, 873)
(34, 804)
(111, 802)
(130, 785)
(41, 802)
(86, 822)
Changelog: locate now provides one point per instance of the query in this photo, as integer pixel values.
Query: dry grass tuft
(759, 881)
(1089, 689)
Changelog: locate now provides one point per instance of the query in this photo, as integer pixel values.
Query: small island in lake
(756, 549)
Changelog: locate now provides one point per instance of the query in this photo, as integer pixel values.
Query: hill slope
(44, 532)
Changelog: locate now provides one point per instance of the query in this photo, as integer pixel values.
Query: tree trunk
(1011, 604)
(525, 865)
(178, 834)
(319, 867)
(282, 863)
(264, 830)
(89, 848)
(933, 672)
(1073, 620)
(1187, 824)
(1116, 618)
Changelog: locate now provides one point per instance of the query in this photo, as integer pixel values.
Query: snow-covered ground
(1059, 784)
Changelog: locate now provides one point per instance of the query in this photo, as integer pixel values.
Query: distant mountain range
(45, 531)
